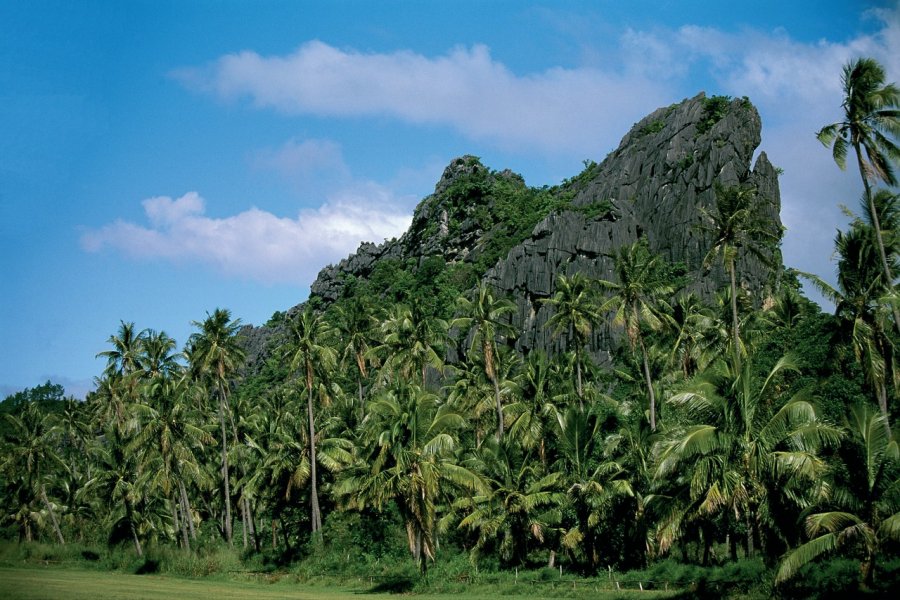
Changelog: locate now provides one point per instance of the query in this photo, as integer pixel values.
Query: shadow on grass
(392, 585)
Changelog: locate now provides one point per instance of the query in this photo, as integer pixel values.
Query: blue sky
(161, 159)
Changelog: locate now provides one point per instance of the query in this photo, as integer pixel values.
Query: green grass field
(52, 583)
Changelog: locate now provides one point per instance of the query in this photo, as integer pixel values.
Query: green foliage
(714, 108)
(651, 128)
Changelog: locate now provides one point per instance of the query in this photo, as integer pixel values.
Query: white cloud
(255, 244)
(559, 109)
(304, 159)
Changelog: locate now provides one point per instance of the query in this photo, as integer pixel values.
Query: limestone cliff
(656, 184)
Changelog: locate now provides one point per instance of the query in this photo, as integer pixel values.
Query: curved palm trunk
(578, 388)
(315, 511)
(876, 223)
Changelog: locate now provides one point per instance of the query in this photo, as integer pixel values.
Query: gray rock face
(659, 179)
(658, 183)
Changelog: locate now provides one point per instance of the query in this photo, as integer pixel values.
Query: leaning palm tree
(637, 301)
(354, 322)
(576, 314)
(866, 511)
(309, 350)
(217, 355)
(871, 119)
(484, 317)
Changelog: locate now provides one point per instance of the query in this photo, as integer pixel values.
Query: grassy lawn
(51, 583)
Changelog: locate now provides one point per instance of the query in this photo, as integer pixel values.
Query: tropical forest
(610, 386)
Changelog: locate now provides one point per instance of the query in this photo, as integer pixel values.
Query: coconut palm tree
(354, 323)
(739, 448)
(484, 317)
(576, 314)
(637, 301)
(519, 504)
(735, 226)
(217, 355)
(865, 508)
(407, 457)
(411, 342)
(871, 119)
(28, 462)
(309, 350)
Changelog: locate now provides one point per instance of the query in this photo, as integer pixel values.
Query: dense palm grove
(743, 427)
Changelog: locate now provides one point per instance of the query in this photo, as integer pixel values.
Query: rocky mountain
(490, 225)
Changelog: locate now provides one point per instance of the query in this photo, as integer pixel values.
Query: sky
(161, 159)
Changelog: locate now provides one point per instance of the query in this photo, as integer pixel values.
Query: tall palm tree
(860, 305)
(866, 509)
(168, 437)
(576, 314)
(127, 344)
(637, 301)
(217, 355)
(871, 119)
(736, 226)
(309, 350)
(484, 317)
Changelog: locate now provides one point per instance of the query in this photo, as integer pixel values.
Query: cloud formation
(466, 89)
(254, 244)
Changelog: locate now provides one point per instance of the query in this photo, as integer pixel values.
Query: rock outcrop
(657, 184)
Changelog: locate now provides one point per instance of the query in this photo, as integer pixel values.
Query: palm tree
(407, 457)
(739, 449)
(168, 436)
(519, 503)
(576, 313)
(866, 509)
(484, 316)
(735, 226)
(860, 305)
(537, 403)
(354, 323)
(217, 355)
(28, 460)
(871, 118)
(124, 358)
(309, 350)
(637, 301)
(412, 341)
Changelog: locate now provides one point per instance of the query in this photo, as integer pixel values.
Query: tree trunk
(244, 521)
(187, 510)
(316, 513)
(735, 332)
(225, 475)
(56, 530)
(134, 535)
(578, 388)
(649, 382)
(499, 408)
(876, 224)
